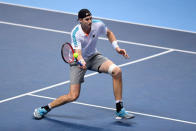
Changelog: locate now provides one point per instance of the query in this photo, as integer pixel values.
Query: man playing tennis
(84, 37)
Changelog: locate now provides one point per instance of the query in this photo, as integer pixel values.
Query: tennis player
(84, 39)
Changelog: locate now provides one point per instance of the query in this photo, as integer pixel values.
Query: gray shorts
(93, 63)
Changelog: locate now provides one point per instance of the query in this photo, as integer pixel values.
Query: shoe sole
(120, 118)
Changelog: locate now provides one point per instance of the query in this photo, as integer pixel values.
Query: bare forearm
(80, 59)
(111, 36)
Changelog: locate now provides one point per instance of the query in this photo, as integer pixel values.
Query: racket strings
(67, 53)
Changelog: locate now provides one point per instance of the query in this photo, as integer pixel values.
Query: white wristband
(115, 44)
(82, 60)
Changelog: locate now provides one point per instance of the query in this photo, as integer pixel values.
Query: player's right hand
(83, 64)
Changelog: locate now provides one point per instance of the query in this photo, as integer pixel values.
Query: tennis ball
(75, 55)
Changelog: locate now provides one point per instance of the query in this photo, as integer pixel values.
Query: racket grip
(79, 63)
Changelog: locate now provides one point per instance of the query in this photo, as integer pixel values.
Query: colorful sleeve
(102, 27)
(75, 42)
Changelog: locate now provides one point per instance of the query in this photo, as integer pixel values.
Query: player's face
(86, 22)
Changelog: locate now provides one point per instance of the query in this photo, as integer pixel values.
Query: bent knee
(117, 72)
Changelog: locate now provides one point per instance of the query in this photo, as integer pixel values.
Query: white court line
(91, 74)
(146, 58)
(120, 21)
(101, 38)
(34, 27)
(137, 113)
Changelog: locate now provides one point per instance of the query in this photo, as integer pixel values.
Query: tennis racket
(67, 54)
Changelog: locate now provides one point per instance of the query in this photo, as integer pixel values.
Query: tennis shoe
(39, 113)
(124, 115)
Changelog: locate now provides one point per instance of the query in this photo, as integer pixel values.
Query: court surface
(159, 80)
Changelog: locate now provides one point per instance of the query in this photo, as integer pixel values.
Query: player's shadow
(73, 126)
(125, 123)
(66, 116)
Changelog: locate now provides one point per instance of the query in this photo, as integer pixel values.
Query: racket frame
(62, 47)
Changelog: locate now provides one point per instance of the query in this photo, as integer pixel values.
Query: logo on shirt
(94, 36)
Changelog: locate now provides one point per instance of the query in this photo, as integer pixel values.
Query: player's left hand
(122, 52)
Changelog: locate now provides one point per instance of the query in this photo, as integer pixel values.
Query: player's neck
(86, 30)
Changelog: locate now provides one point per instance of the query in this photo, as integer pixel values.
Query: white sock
(117, 101)
(49, 106)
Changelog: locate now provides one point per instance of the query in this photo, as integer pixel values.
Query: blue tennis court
(158, 81)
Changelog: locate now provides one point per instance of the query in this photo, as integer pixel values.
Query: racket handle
(79, 63)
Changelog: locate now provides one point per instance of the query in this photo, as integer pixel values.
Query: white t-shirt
(87, 43)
